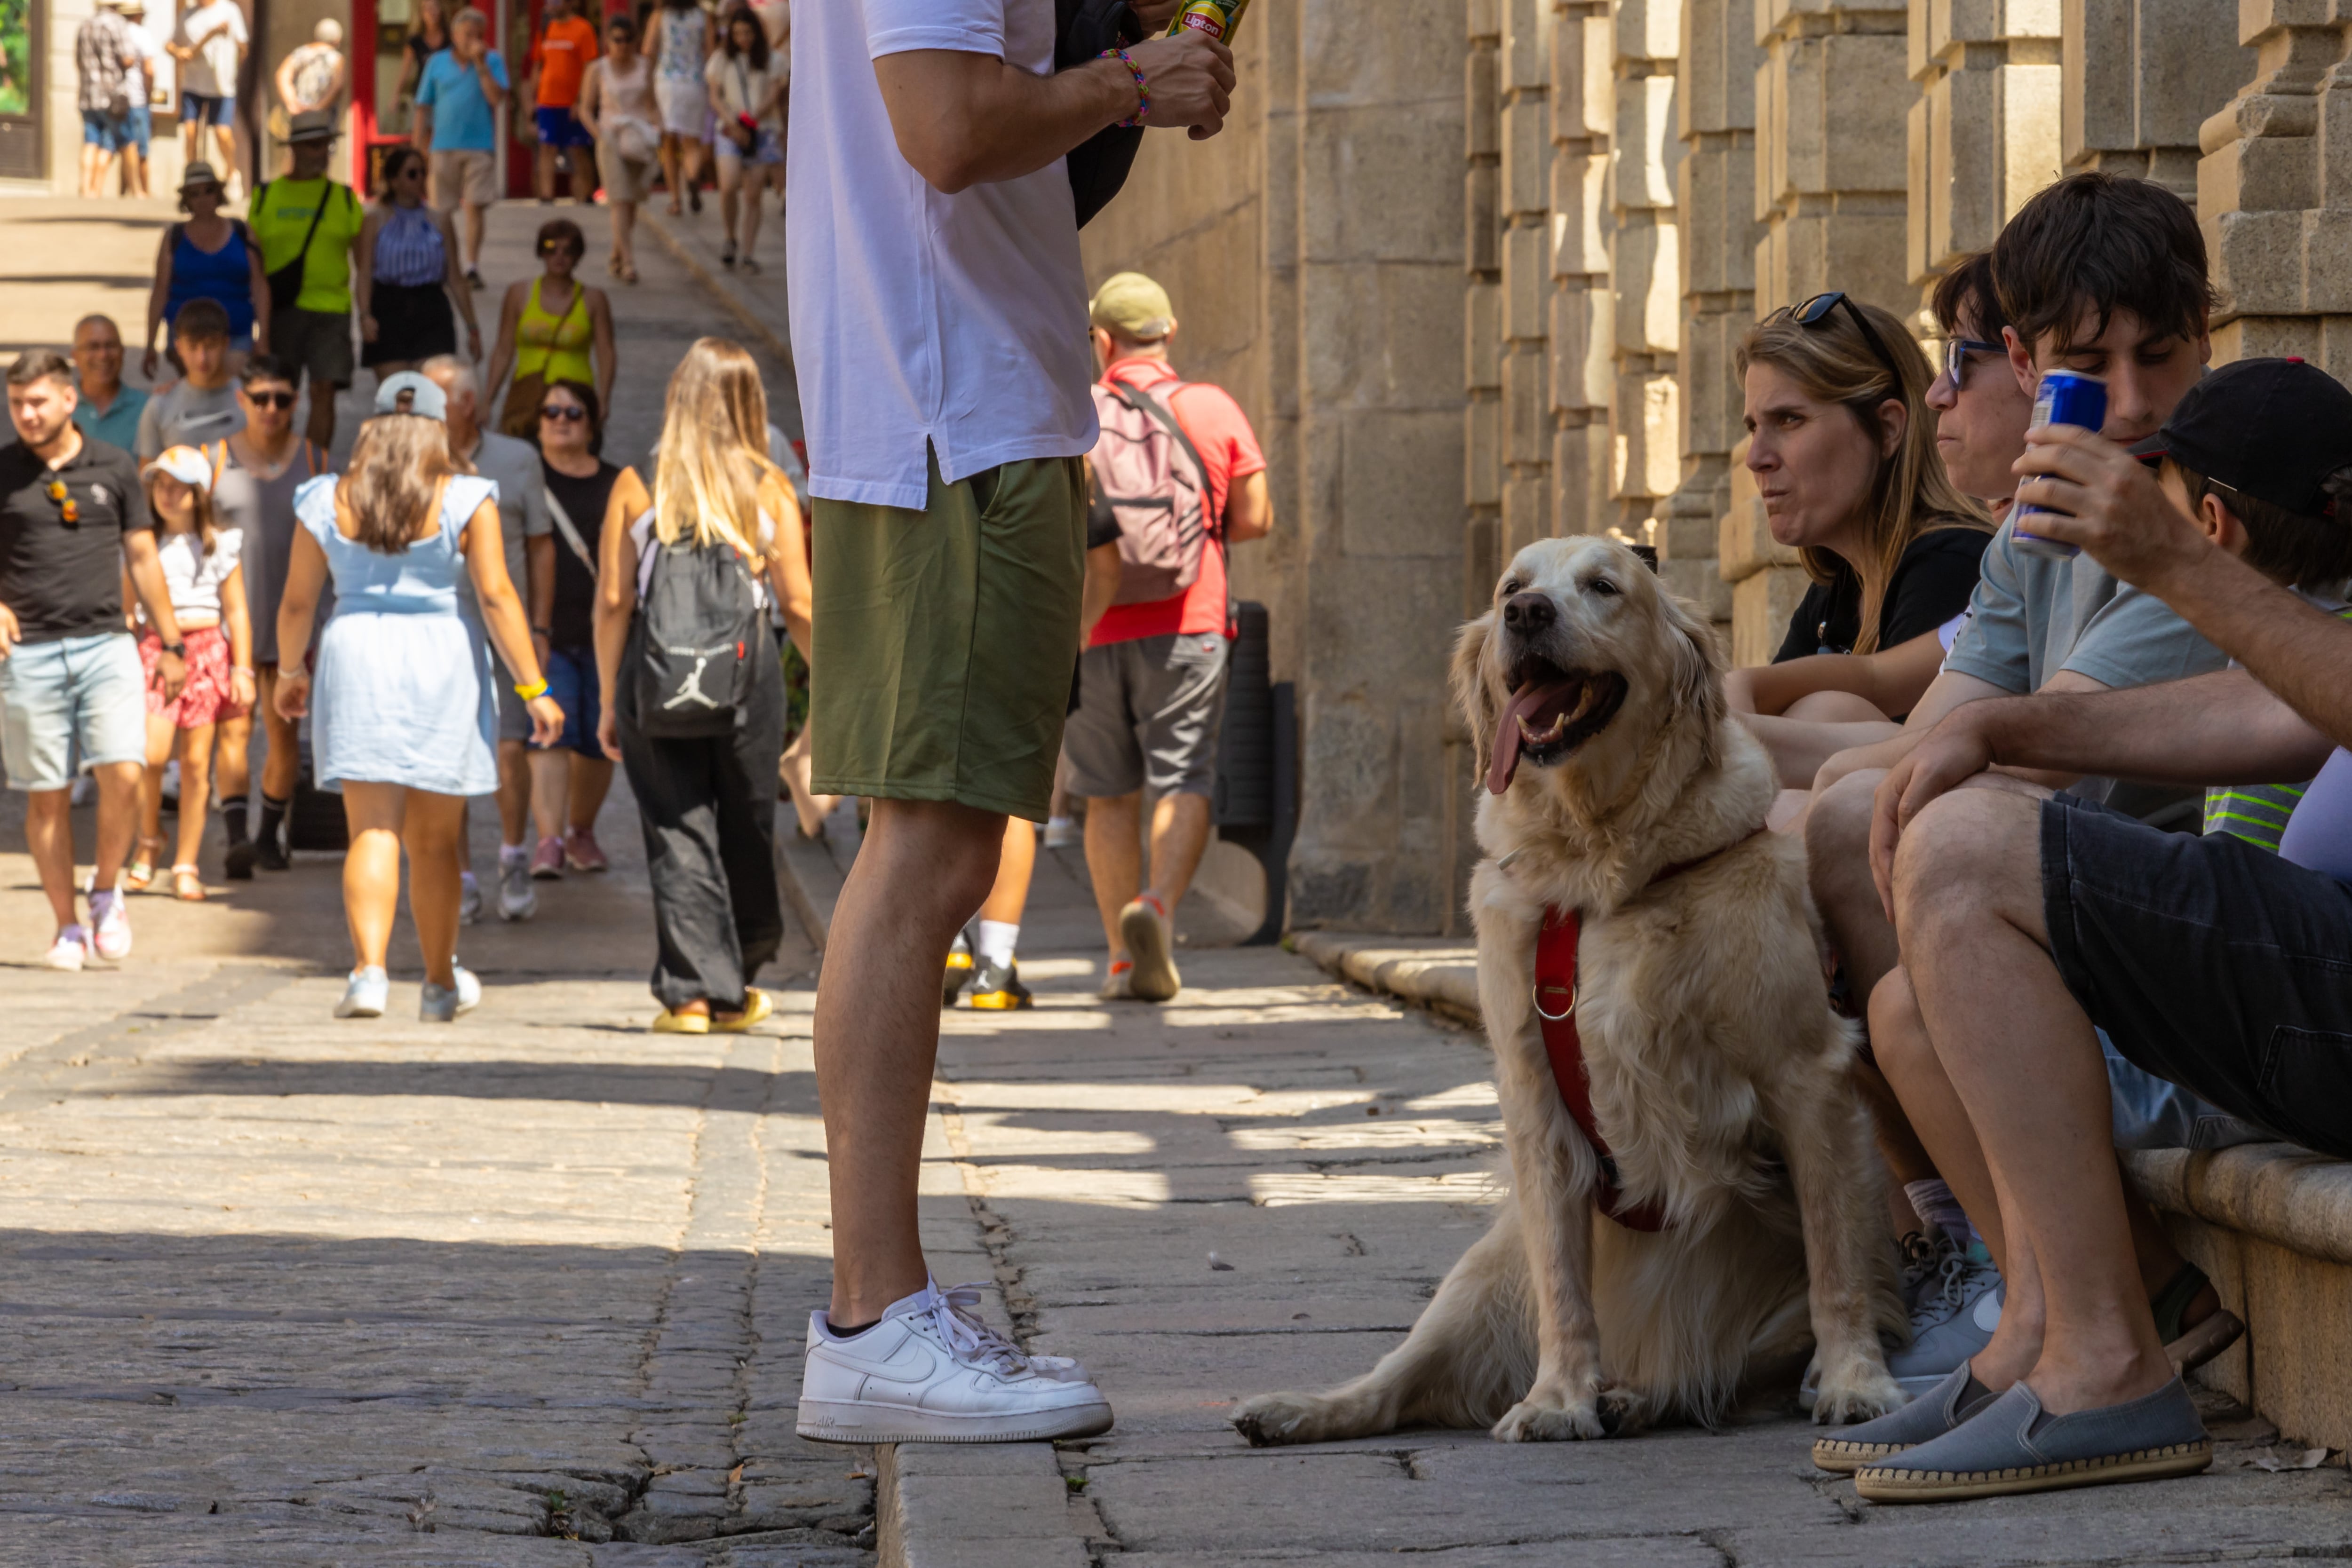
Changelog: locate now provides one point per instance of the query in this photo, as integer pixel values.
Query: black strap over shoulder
(1099, 166)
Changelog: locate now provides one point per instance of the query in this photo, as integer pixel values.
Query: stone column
(1832, 101)
(1483, 324)
(1583, 313)
(1984, 130)
(1644, 262)
(1716, 118)
(2140, 77)
(1524, 110)
(2275, 190)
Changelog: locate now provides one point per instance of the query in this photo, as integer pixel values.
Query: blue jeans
(86, 691)
(572, 681)
(99, 129)
(140, 131)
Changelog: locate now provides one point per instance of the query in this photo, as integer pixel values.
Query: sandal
(613, 264)
(628, 273)
(727, 253)
(2191, 1346)
(187, 885)
(140, 871)
(746, 264)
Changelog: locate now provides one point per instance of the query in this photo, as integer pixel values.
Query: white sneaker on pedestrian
(1061, 833)
(441, 1004)
(932, 1371)
(364, 994)
(69, 950)
(518, 900)
(109, 925)
(469, 901)
(1144, 927)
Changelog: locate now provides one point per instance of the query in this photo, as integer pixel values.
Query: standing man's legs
(924, 867)
(49, 839)
(281, 771)
(948, 746)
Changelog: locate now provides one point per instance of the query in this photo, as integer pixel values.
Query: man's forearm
(2299, 652)
(2221, 728)
(965, 119)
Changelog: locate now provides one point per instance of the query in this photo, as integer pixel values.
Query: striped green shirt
(2258, 812)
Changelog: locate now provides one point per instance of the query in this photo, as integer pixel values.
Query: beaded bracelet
(1142, 88)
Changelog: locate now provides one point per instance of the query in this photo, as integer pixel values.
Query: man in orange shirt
(559, 58)
(1152, 679)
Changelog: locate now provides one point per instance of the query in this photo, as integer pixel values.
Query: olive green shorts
(944, 639)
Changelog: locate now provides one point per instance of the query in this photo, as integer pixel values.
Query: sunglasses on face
(568, 412)
(270, 399)
(1816, 310)
(1957, 350)
(66, 508)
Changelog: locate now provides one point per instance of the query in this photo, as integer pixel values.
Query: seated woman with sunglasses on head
(1842, 449)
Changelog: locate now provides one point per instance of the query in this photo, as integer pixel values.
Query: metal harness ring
(1536, 997)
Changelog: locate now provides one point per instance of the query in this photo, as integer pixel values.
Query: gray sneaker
(518, 900)
(469, 901)
(444, 1004)
(1958, 1308)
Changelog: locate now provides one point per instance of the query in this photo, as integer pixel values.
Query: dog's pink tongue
(1524, 701)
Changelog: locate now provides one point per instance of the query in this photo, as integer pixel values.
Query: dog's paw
(1861, 1393)
(1540, 1421)
(1271, 1419)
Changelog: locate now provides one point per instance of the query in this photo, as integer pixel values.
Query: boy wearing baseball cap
(2028, 922)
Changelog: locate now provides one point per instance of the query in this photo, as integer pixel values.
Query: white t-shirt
(213, 73)
(738, 87)
(958, 321)
(193, 577)
(157, 64)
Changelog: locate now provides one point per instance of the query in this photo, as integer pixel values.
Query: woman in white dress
(403, 720)
(680, 48)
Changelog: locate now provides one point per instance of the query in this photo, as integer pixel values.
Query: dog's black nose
(1529, 613)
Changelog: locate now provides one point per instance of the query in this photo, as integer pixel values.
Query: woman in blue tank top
(209, 256)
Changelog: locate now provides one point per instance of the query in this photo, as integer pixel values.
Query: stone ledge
(2279, 1193)
(1438, 974)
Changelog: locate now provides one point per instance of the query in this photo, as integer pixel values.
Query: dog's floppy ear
(1699, 665)
(1470, 690)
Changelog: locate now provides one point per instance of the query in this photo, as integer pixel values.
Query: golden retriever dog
(1619, 786)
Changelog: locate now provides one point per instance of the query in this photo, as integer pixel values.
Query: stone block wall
(2140, 78)
(1984, 130)
(2274, 189)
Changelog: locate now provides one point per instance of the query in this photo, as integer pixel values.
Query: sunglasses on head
(270, 399)
(1816, 310)
(568, 412)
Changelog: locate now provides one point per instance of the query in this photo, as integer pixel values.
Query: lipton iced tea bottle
(1218, 19)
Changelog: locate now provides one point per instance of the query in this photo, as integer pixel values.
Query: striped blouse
(408, 249)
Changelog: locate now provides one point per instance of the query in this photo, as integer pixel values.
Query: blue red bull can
(2064, 398)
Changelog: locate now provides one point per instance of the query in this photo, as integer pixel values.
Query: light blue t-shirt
(462, 120)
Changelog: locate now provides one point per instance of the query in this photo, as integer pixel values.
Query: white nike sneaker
(932, 1371)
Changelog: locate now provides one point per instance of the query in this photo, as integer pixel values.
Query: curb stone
(974, 1505)
(1438, 973)
(692, 252)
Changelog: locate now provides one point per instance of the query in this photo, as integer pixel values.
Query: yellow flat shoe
(669, 1022)
(757, 1006)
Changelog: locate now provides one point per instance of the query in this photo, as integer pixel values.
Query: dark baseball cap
(2272, 429)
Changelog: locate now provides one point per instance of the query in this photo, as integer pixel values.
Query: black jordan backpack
(699, 626)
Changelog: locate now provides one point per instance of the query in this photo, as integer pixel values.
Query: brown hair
(39, 364)
(394, 481)
(1832, 361)
(200, 503)
(2102, 243)
(2291, 548)
(586, 397)
(565, 230)
(200, 318)
(1966, 293)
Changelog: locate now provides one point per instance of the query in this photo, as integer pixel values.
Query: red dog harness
(1556, 945)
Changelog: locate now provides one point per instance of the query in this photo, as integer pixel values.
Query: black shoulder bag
(286, 282)
(1099, 165)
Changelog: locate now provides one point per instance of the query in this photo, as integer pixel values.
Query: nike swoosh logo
(911, 1363)
(1987, 1311)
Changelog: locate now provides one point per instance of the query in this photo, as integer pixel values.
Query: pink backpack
(1147, 471)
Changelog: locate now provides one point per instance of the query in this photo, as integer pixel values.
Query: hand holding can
(2063, 398)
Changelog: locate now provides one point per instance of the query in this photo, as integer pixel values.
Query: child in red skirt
(207, 578)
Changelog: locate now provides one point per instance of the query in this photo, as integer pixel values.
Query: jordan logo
(690, 689)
